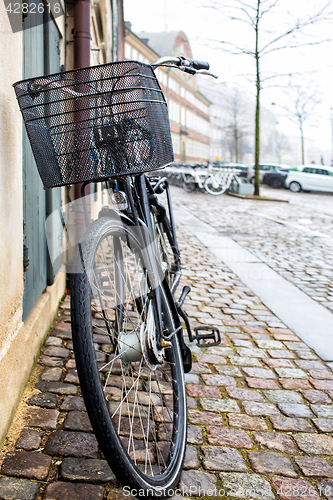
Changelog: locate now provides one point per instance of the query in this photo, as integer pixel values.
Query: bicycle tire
(146, 448)
(213, 187)
(189, 187)
(166, 251)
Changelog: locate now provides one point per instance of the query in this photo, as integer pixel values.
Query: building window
(196, 123)
(197, 149)
(183, 117)
(175, 143)
(174, 109)
(173, 85)
(161, 76)
(128, 51)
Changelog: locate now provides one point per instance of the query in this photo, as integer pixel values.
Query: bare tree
(304, 101)
(301, 104)
(235, 145)
(282, 145)
(236, 129)
(293, 34)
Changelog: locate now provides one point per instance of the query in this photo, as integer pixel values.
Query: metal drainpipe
(115, 33)
(81, 60)
(121, 29)
(82, 34)
(81, 49)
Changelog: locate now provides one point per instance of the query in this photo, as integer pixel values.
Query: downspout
(81, 49)
(82, 39)
(82, 34)
(115, 30)
(121, 40)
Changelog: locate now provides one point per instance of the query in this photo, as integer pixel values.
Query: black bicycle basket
(96, 123)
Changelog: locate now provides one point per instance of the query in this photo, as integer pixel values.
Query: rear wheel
(295, 187)
(133, 390)
(276, 183)
(189, 186)
(214, 186)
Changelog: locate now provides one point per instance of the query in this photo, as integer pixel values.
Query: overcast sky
(205, 28)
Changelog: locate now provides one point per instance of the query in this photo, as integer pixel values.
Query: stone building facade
(188, 108)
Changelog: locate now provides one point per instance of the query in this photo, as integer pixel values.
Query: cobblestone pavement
(260, 404)
(295, 239)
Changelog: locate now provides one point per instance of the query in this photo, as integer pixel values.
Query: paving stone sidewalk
(260, 407)
(295, 240)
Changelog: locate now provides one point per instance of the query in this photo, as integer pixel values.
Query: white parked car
(310, 178)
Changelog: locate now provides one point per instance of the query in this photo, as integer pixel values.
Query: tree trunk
(257, 118)
(302, 141)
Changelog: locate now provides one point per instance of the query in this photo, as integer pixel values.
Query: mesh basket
(96, 123)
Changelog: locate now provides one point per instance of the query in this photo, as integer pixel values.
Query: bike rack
(196, 176)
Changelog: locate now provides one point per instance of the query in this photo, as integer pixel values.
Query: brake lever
(188, 69)
(207, 73)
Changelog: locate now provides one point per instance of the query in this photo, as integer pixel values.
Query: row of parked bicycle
(214, 180)
(218, 177)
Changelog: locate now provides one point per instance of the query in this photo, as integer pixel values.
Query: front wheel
(276, 183)
(295, 187)
(214, 186)
(134, 390)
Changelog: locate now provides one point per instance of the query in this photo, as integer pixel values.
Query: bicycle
(219, 180)
(109, 124)
(212, 180)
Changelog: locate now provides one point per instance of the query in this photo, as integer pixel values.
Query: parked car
(310, 178)
(263, 168)
(275, 179)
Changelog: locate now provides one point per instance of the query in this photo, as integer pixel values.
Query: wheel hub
(129, 347)
(152, 355)
(133, 346)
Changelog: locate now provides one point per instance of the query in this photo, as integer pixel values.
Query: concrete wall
(11, 230)
(19, 342)
(22, 350)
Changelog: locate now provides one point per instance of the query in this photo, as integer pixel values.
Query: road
(295, 238)
(260, 405)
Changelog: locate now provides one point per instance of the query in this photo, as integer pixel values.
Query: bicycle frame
(139, 214)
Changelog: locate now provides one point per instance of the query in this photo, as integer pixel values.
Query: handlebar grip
(200, 64)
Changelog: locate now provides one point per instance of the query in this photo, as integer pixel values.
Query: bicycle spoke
(136, 395)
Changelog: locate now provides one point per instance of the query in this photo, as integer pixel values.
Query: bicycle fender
(114, 214)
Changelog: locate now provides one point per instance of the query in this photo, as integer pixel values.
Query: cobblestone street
(295, 239)
(260, 404)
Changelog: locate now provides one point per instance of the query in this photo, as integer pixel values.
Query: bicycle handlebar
(191, 66)
(197, 65)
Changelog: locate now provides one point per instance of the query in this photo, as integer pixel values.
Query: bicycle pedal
(213, 335)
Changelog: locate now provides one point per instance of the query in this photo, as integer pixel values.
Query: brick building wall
(188, 108)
